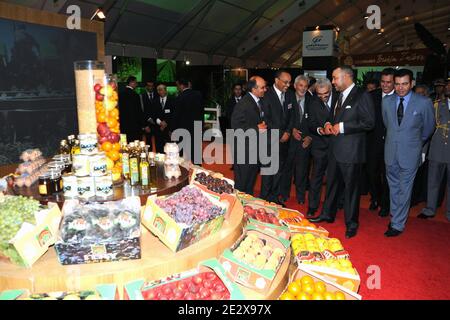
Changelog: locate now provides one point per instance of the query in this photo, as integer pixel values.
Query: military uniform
(439, 159)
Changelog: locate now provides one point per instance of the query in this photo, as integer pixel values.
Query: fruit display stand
(164, 186)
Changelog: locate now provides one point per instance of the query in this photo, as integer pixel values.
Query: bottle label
(134, 170)
(43, 189)
(144, 176)
(125, 163)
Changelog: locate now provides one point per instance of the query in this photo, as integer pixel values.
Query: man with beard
(439, 157)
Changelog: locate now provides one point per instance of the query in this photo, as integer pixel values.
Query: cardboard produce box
(297, 222)
(344, 279)
(244, 266)
(187, 285)
(99, 232)
(227, 197)
(101, 292)
(330, 285)
(33, 240)
(177, 236)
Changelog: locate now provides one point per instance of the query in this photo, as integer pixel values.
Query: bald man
(248, 115)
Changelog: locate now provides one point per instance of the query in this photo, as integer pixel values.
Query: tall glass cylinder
(87, 74)
(108, 123)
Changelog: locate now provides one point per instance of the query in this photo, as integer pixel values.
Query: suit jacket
(404, 143)
(188, 108)
(131, 116)
(163, 114)
(358, 117)
(147, 102)
(319, 114)
(277, 116)
(440, 142)
(375, 137)
(230, 106)
(246, 116)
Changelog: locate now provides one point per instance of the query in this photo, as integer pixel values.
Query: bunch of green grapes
(13, 212)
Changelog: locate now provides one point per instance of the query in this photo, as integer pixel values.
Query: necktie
(338, 105)
(300, 110)
(162, 103)
(261, 112)
(400, 111)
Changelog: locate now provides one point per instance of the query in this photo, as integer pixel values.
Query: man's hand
(262, 127)
(306, 142)
(336, 129)
(285, 137)
(163, 125)
(321, 131)
(297, 134)
(328, 128)
(147, 129)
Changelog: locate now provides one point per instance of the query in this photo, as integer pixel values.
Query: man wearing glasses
(280, 103)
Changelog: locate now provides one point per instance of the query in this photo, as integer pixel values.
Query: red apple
(178, 294)
(103, 140)
(216, 296)
(219, 287)
(181, 285)
(189, 296)
(113, 137)
(151, 294)
(204, 293)
(193, 288)
(226, 296)
(103, 129)
(211, 276)
(97, 87)
(207, 284)
(197, 279)
(167, 291)
(164, 297)
(99, 97)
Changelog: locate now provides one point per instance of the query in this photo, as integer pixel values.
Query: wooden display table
(165, 187)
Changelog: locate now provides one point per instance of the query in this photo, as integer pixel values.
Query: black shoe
(373, 206)
(391, 232)
(320, 219)
(311, 213)
(281, 203)
(424, 216)
(350, 233)
(340, 206)
(383, 213)
(301, 201)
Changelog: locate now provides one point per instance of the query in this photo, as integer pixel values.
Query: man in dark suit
(188, 110)
(147, 104)
(439, 158)
(299, 144)
(162, 108)
(409, 121)
(132, 120)
(353, 117)
(376, 170)
(234, 99)
(280, 105)
(320, 109)
(248, 115)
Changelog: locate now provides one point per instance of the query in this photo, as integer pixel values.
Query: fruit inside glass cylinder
(202, 286)
(108, 124)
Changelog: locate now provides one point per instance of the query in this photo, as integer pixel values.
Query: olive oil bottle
(125, 156)
(134, 165)
(144, 171)
(153, 172)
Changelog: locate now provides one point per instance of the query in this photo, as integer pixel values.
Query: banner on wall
(319, 43)
(415, 57)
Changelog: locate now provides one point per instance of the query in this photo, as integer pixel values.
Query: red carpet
(414, 265)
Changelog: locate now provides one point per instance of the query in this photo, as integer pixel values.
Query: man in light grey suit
(409, 122)
(439, 157)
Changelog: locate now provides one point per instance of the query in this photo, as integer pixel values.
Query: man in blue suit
(409, 122)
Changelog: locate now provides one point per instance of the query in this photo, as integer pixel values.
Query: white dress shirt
(278, 93)
(161, 100)
(387, 94)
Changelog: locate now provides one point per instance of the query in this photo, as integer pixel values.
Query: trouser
(320, 163)
(437, 171)
(401, 181)
(378, 186)
(345, 175)
(270, 184)
(245, 177)
(297, 164)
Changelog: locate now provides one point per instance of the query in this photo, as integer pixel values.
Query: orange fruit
(113, 155)
(303, 296)
(339, 295)
(317, 296)
(101, 117)
(111, 122)
(294, 288)
(287, 296)
(308, 288)
(307, 280)
(116, 146)
(329, 296)
(114, 113)
(320, 287)
(116, 170)
(107, 146)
